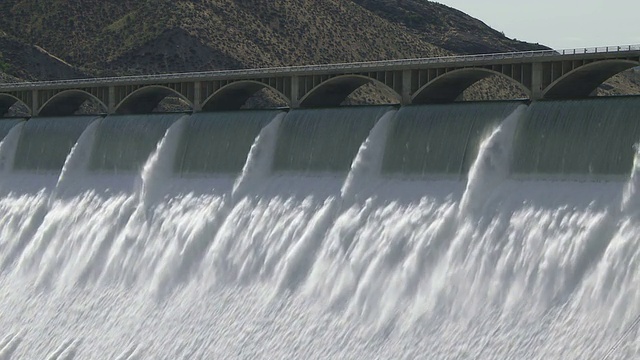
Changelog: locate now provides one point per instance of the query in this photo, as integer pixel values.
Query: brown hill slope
(445, 27)
(162, 35)
(19, 61)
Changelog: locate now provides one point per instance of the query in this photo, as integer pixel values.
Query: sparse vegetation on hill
(19, 60)
(58, 39)
(126, 37)
(445, 27)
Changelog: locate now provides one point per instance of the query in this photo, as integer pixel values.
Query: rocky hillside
(445, 27)
(20, 61)
(57, 39)
(127, 37)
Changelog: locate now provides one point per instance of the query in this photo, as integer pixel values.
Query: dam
(473, 230)
(488, 230)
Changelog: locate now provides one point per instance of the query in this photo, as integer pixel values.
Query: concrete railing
(301, 70)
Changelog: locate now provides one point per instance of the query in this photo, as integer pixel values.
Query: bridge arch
(67, 102)
(449, 86)
(334, 91)
(7, 101)
(232, 96)
(147, 98)
(582, 81)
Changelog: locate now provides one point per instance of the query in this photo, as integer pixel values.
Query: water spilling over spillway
(468, 231)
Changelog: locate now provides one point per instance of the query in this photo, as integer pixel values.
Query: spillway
(45, 142)
(470, 231)
(6, 125)
(323, 140)
(441, 139)
(123, 143)
(578, 137)
(219, 142)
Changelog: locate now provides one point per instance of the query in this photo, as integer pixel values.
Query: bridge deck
(543, 74)
(401, 64)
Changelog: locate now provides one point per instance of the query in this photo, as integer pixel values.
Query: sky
(559, 24)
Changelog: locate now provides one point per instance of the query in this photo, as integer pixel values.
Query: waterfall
(45, 143)
(440, 140)
(324, 140)
(8, 147)
(584, 139)
(78, 159)
(123, 142)
(483, 230)
(219, 142)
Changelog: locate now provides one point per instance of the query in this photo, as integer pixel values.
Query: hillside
(445, 27)
(20, 61)
(58, 39)
(125, 37)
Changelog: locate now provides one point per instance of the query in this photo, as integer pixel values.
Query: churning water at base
(361, 264)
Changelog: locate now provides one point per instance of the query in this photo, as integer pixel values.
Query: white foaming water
(365, 169)
(8, 148)
(368, 162)
(8, 346)
(78, 160)
(159, 167)
(289, 269)
(491, 167)
(630, 199)
(259, 160)
(185, 253)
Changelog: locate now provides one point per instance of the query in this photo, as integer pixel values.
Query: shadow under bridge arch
(146, 99)
(582, 81)
(7, 101)
(68, 102)
(447, 87)
(334, 91)
(232, 96)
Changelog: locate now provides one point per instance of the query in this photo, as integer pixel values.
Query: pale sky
(560, 24)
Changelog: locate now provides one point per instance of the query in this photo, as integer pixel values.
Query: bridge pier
(35, 104)
(111, 106)
(537, 75)
(405, 97)
(294, 101)
(197, 96)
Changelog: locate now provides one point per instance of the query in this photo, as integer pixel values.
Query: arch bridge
(546, 74)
